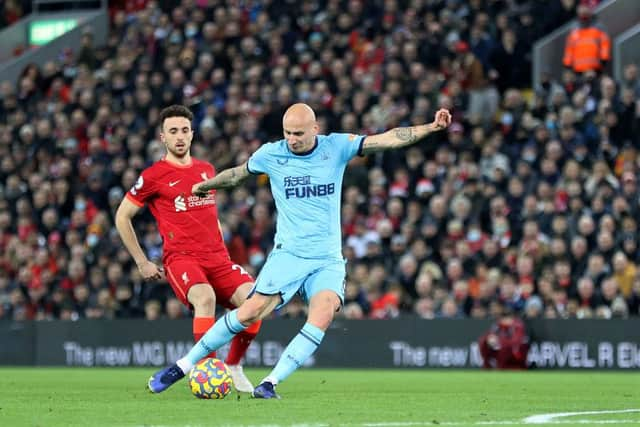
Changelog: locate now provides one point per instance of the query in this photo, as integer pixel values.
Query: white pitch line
(549, 418)
(534, 419)
(435, 423)
(493, 423)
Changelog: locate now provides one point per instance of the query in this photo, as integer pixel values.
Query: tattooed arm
(226, 179)
(403, 136)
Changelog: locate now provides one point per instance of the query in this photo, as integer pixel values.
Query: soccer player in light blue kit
(305, 171)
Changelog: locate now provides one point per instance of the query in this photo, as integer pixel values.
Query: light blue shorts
(286, 274)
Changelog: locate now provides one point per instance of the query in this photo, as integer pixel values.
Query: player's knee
(321, 320)
(205, 305)
(326, 301)
(322, 310)
(250, 311)
(203, 302)
(257, 308)
(240, 294)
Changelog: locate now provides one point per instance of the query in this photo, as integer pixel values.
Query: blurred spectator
(533, 307)
(175, 309)
(507, 58)
(588, 47)
(527, 196)
(506, 344)
(152, 310)
(12, 11)
(87, 55)
(624, 273)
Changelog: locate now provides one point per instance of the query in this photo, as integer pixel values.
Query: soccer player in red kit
(195, 260)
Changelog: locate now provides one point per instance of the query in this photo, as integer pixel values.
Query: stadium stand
(530, 200)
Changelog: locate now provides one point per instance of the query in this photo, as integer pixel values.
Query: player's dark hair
(175, 111)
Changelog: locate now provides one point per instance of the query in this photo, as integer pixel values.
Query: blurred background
(527, 205)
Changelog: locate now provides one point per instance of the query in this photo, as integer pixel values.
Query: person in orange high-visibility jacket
(588, 47)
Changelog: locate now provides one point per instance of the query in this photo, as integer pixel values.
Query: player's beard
(180, 152)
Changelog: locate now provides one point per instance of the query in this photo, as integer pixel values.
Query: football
(210, 379)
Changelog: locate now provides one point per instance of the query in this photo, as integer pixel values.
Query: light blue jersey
(307, 190)
(307, 255)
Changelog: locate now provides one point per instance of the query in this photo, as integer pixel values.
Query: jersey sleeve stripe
(134, 201)
(362, 138)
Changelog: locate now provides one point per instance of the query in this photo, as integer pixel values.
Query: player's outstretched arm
(226, 179)
(126, 211)
(402, 136)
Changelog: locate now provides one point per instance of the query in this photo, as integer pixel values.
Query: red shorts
(222, 274)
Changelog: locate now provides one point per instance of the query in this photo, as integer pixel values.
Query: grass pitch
(48, 397)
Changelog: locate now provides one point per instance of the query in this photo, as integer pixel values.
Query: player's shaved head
(299, 113)
(300, 127)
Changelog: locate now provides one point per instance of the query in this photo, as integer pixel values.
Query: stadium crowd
(11, 11)
(530, 200)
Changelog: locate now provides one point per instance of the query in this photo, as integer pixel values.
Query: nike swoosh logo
(171, 184)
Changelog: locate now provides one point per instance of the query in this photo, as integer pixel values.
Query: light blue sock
(221, 333)
(299, 349)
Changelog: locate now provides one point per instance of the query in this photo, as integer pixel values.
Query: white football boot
(240, 380)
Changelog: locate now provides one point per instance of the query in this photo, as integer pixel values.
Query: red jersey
(188, 224)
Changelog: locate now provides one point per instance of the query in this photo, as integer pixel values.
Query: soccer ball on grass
(210, 379)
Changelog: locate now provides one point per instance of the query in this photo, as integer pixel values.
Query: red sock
(241, 342)
(200, 326)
